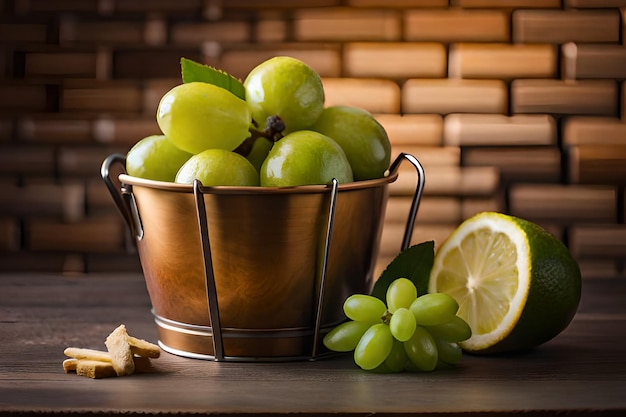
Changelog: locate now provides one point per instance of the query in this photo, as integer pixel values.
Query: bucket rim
(247, 190)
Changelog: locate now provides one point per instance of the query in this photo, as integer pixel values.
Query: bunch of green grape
(273, 129)
(409, 333)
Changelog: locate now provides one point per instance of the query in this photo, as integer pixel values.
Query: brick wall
(511, 105)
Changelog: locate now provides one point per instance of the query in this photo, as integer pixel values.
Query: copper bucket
(253, 273)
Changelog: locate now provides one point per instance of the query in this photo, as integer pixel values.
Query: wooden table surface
(581, 372)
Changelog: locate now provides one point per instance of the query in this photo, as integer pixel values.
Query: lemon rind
(496, 223)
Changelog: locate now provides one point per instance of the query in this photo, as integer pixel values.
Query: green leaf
(194, 71)
(413, 263)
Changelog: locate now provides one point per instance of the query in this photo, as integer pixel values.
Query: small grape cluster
(410, 333)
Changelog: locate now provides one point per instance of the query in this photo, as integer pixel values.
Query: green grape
(345, 336)
(402, 324)
(365, 308)
(455, 330)
(396, 360)
(305, 158)
(218, 167)
(155, 158)
(421, 350)
(362, 138)
(401, 293)
(383, 368)
(374, 347)
(259, 151)
(449, 352)
(285, 87)
(434, 309)
(197, 116)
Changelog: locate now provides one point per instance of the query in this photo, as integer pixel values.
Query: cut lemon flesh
(485, 266)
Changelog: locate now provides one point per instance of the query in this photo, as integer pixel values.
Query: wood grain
(580, 372)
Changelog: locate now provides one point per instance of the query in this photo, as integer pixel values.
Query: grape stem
(274, 129)
(386, 318)
(245, 147)
(273, 132)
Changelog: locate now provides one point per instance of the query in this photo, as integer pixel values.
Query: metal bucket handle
(122, 194)
(417, 195)
(125, 201)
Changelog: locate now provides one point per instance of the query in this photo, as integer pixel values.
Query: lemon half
(516, 284)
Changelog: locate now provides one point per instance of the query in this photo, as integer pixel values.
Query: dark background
(503, 111)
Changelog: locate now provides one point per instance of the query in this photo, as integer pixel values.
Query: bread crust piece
(83, 353)
(125, 355)
(121, 355)
(94, 369)
(143, 348)
(69, 365)
(142, 364)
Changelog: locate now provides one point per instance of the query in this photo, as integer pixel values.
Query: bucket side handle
(122, 194)
(417, 196)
